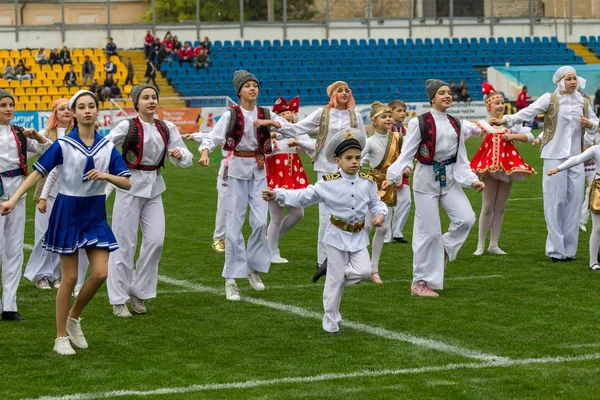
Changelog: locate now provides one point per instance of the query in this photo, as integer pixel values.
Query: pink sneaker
(422, 290)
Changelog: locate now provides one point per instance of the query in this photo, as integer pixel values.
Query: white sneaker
(582, 228)
(121, 310)
(43, 284)
(138, 305)
(75, 333)
(255, 281)
(77, 289)
(231, 290)
(277, 259)
(62, 346)
(56, 284)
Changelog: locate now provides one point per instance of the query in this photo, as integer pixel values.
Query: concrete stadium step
(589, 57)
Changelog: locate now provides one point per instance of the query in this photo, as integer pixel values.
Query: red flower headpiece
(282, 105)
(486, 88)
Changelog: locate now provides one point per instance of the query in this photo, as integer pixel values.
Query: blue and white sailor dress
(78, 218)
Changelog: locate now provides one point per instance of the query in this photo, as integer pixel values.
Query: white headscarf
(562, 73)
(78, 94)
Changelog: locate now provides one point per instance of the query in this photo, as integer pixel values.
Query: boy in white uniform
(348, 195)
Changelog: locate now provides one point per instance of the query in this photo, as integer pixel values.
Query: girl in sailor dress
(498, 164)
(78, 219)
(589, 168)
(285, 170)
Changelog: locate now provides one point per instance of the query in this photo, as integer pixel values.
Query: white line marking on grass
(320, 378)
(101, 294)
(581, 346)
(27, 246)
(526, 199)
(458, 278)
(374, 330)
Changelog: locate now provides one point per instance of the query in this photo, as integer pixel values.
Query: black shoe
(12, 316)
(321, 271)
(555, 260)
(336, 333)
(569, 259)
(400, 240)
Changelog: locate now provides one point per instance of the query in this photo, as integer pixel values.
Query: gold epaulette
(330, 177)
(367, 176)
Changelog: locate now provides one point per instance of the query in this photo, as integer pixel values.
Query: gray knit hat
(137, 90)
(240, 77)
(432, 86)
(6, 93)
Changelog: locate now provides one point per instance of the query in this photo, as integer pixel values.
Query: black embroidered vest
(426, 148)
(21, 140)
(235, 130)
(133, 146)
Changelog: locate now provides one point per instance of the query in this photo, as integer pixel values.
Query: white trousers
(12, 235)
(428, 242)
(324, 217)
(585, 207)
(240, 195)
(221, 216)
(129, 212)
(343, 268)
(400, 213)
(563, 195)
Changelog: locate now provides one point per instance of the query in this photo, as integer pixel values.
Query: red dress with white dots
(499, 158)
(284, 168)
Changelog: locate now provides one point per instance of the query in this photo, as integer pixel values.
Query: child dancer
(239, 131)
(590, 174)
(78, 219)
(348, 196)
(592, 153)
(285, 170)
(43, 267)
(382, 149)
(568, 117)
(497, 163)
(146, 142)
(336, 115)
(15, 142)
(402, 208)
(436, 139)
(218, 243)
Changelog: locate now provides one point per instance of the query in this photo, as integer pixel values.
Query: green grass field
(505, 327)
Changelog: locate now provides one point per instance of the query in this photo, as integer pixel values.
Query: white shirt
(347, 198)
(447, 145)
(592, 153)
(338, 120)
(567, 135)
(240, 167)
(374, 150)
(148, 184)
(9, 158)
(307, 145)
(474, 130)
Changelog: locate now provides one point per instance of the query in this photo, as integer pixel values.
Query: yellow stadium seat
(46, 68)
(30, 61)
(30, 91)
(25, 83)
(77, 53)
(99, 51)
(63, 90)
(25, 53)
(88, 52)
(37, 83)
(46, 99)
(30, 107)
(23, 99)
(127, 89)
(129, 104)
(52, 90)
(35, 99)
(57, 82)
(50, 75)
(57, 68)
(20, 107)
(19, 91)
(105, 105)
(73, 90)
(42, 91)
(15, 53)
(4, 54)
(14, 83)
(56, 97)
(36, 69)
(3, 83)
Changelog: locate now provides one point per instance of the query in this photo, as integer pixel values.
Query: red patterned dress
(284, 168)
(498, 158)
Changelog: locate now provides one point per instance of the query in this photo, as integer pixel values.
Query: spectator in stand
(464, 97)
(65, 56)
(186, 54)
(108, 81)
(156, 46)
(202, 58)
(596, 101)
(55, 58)
(168, 45)
(148, 42)
(461, 85)
(97, 89)
(40, 56)
(22, 71)
(151, 73)
(176, 45)
(453, 90)
(130, 72)
(70, 78)
(115, 92)
(111, 48)
(9, 73)
(88, 69)
(206, 44)
(522, 99)
(110, 66)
